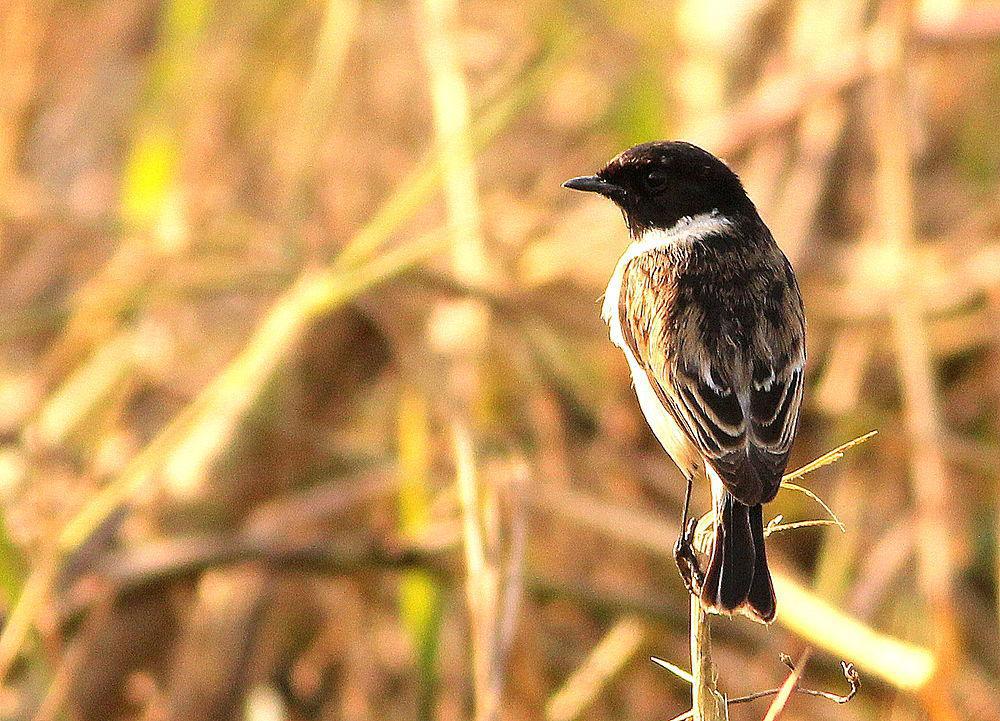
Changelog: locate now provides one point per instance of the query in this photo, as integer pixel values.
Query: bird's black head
(656, 184)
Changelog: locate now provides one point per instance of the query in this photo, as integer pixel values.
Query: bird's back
(718, 330)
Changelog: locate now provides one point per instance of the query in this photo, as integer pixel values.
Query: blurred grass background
(307, 412)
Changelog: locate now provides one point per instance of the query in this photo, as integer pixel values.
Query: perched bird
(708, 313)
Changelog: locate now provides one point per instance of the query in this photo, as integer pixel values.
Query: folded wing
(740, 412)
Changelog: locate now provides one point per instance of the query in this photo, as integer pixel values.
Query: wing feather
(741, 415)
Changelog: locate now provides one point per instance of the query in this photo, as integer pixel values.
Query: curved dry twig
(850, 675)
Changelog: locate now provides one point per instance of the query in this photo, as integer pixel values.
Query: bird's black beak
(596, 184)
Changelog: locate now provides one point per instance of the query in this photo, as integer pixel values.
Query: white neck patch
(685, 230)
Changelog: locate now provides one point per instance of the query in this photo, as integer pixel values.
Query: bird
(709, 315)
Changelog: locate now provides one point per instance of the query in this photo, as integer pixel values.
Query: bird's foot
(687, 561)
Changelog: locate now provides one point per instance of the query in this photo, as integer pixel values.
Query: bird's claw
(687, 561)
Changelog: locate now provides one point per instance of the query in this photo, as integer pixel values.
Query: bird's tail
(738, 580)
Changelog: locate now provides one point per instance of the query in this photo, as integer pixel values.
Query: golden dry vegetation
(307, 411)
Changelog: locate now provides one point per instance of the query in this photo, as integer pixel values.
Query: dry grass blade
(615, 649)
(672, 668)
(419, 185)
(195, 435)
(468, 494)
(481, 577)
(826, 459)
(894, 224)
(805, 491)
(199, 428)
(513, 581)
(904, 665)
(850, 675)
(451, 122)
(333, 41)
(778, 705)
(492, 588)
(199, 370)
(779, 527)
(87, 388)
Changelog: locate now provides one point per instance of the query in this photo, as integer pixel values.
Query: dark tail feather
(738, 578)
(761, 597)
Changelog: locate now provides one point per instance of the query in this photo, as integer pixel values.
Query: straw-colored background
(307, 412)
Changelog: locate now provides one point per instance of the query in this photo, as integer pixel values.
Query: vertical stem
(929, 472)
(481, 590)
(449, 95)
(309, 132)
(707, 703)
(421, 597)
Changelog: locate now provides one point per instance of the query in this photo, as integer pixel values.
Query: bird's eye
(656, 181)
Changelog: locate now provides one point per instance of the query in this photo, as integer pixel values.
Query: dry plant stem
(480, 583)
(27, 21)
(414, 189)
(356, 269)
(514, 574)
(849, 673)
(97, 308)
(172, 561)
(88, 387)
(785, 692)
(902, 664)
(707, 704)
(222, 402)
(818, 31)
(333, 41)
(491, 616)
(780, 101)
(895, 225)
(493, 586)
(450, 104)
(193, 437)
(451, 123)
(72, 664)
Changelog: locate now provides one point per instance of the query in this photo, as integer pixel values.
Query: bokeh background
(307, 411)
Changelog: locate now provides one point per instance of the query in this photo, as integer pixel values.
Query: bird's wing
(772, 414)
(741, 420)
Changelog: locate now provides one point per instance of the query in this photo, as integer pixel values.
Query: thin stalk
(895, 226)
(707, 704)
